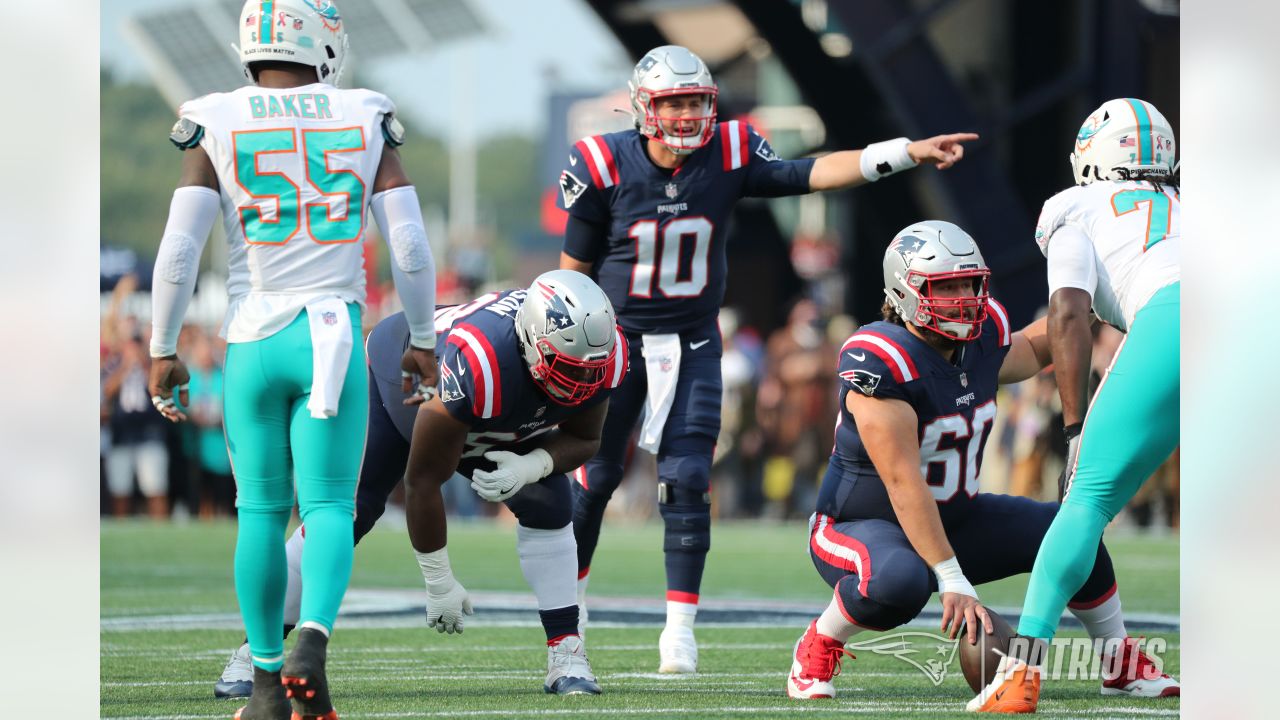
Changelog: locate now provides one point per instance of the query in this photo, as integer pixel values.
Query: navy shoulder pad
(392, 130)
(186, 133)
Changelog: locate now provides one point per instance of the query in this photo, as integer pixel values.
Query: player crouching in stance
(1112, 243)
(899, 514)
(525, 378)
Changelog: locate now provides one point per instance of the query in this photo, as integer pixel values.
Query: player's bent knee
(687, 472)
(686, 515)
(544, 505)
(900, 581)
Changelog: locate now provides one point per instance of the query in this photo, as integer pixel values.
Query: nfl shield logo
(672, 190)
(665, 363)
(964, 380)
(329, 318)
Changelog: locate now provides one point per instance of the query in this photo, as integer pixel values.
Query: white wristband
(951, 579)
(435, 570)
(883, 159)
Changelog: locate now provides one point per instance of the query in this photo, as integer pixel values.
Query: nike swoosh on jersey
(696, 345)
(859, 358)
(462, 366)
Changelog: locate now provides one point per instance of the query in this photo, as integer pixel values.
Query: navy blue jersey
(662, 258)
(954, 401)
(484, 380)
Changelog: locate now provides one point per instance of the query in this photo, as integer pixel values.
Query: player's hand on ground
(958, 609)
(418, 375)
(941, 150)
(169, 374)
(447, 603)
(513, 472)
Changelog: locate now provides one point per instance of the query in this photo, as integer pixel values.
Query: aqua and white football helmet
(307, 32)
(1124, 138)
(666, 71)
(568, 335)
(927, 253)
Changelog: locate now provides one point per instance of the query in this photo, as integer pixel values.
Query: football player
(292, 164)
(525, 378)
(1112, 244)
(899, 514)
(648, 211)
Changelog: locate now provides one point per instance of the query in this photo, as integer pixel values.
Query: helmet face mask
(304, 32)
(673, 71)
(921, 266)
(1123, 139)
(568, 335)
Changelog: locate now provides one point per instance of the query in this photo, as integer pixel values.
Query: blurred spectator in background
(795, 409)
(735, 470)
(137, 432)
(212, 488)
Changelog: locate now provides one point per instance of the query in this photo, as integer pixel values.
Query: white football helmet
(666, 71)
(930, 252)
(1124, 138)
(568, 334)
(307, 32)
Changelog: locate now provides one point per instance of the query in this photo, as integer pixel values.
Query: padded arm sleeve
(1072, 262)
(191, 215)
(399, 218)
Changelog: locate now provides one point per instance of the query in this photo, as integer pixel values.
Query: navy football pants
(684, 459)
(882, 583)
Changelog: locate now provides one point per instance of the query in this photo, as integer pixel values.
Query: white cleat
(678, 650)
(814, 662)
(1138, 676)
(237, 676)
(568, 670)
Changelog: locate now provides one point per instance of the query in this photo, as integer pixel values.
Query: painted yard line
(699, 680)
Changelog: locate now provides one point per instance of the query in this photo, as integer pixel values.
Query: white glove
(514, 471)
(447, 600)
(446, 604)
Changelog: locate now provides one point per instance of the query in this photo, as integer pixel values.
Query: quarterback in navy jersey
(899, 514)
(524, 384)
(648, 215)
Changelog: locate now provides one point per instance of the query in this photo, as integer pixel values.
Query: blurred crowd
(779, 413)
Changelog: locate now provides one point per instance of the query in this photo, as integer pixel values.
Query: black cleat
(304, 679)
(268, 701)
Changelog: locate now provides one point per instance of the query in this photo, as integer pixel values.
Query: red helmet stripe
(619, 369)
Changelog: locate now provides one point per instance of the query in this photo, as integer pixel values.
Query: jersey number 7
(275, 189)
(1158, 212)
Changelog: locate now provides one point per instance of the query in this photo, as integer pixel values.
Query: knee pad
(687, 517)
(689, 472)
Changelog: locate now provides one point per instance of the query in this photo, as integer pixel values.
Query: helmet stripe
(265, 13)
(1145, 155)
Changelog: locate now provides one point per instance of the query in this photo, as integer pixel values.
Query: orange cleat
(1014, 689)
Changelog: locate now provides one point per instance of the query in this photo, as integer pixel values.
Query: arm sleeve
(191, 215)
(1072, 262)
(769, 175)
(584, 240)
(399, 218)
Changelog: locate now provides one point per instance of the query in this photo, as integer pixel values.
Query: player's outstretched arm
(888, 430)
(848, 168)
(192, 212)
(1028, 353)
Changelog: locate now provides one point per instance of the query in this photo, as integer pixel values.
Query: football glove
(513, 472)
(1072, 433)
(447, 602)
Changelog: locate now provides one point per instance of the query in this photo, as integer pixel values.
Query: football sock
(681, 614)
(559, 622)
(1065, 560)
(326, 566)
(260, 582)
(547, 560)
(834, 624)
(293, 592)
(1104, 621)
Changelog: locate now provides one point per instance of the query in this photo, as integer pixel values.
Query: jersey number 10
(654, 246)
(271, 187)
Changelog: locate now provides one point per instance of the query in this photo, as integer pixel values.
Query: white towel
(330, 354)
(662, 366)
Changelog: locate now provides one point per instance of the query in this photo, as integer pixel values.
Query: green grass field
(153, 574)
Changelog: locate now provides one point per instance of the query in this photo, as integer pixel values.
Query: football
(978, 661)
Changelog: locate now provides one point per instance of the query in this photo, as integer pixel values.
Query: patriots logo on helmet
(450, 387)
(907, 246)
(558, 317)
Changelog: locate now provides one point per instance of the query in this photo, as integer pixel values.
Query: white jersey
(1135, 231)
(296, 168)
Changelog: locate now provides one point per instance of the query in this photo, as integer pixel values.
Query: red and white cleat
(814, 663)
(1138, 676)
